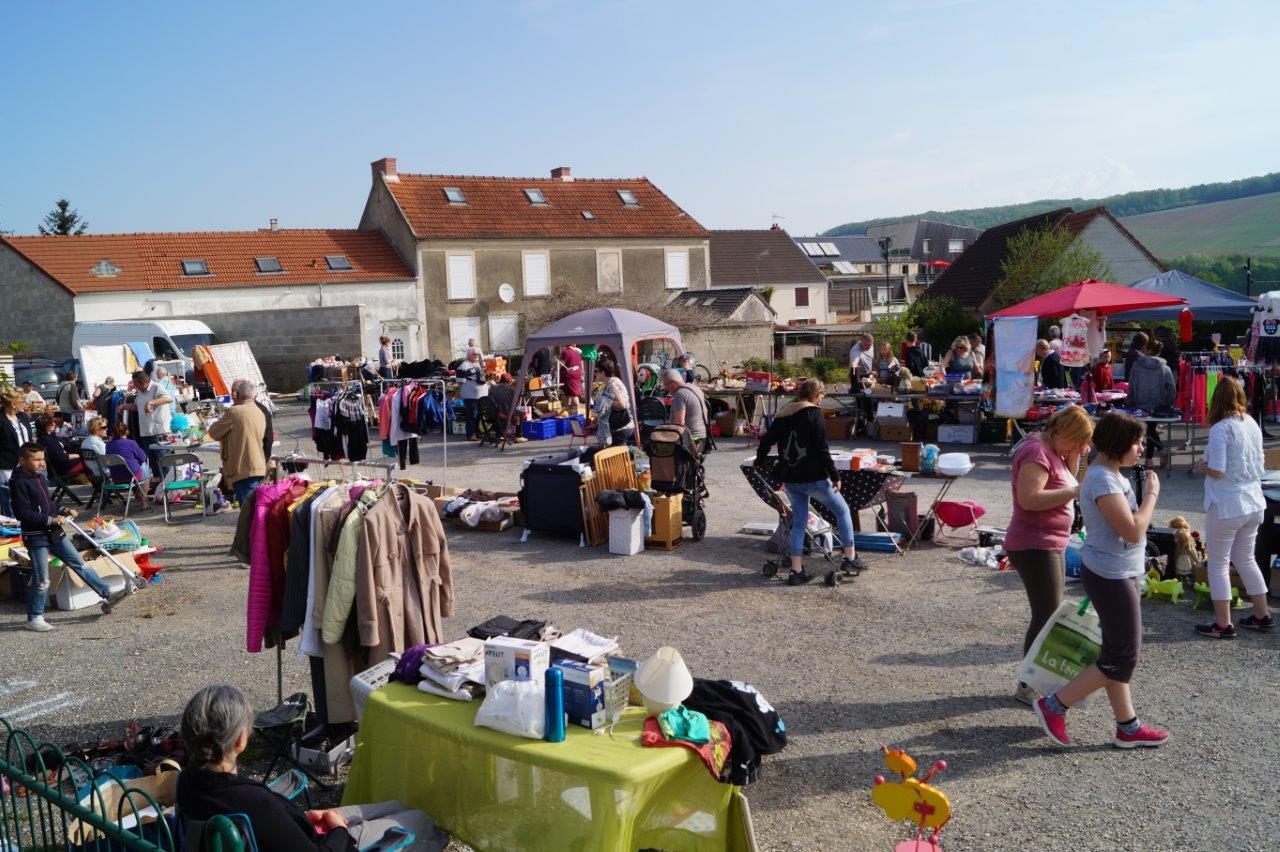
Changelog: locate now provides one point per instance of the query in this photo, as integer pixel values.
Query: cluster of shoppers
(1044, 488)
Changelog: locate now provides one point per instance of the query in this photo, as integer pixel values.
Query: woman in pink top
(1044, 486)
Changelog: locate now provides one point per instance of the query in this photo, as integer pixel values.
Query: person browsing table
(240, 432)
(151, 403)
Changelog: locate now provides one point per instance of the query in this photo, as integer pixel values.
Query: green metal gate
(40, 806)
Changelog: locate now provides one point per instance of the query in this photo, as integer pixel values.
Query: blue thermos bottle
(555, 705)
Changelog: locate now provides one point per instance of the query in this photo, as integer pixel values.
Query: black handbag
(56, 533)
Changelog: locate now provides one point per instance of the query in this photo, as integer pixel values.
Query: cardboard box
(839, 427)
(861, 458)
(668, 527)
(508, 521)
(434, 491)
(72, 593)
(952, 434)
(895, 434)
(506, 658)
(728, 423)
(891, 413)
(1271, 458)
(584, 693)
(882, 390)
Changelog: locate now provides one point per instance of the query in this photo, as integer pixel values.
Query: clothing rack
(430, 384)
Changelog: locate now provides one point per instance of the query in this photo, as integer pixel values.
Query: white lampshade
(664, 678)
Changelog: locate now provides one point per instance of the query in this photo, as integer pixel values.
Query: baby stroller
(819, 537)
(676, 468)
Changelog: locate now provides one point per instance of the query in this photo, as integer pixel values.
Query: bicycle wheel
(703, 373)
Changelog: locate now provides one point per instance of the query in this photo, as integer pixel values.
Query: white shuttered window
(537, 276)
(677, 270)
(462, 277)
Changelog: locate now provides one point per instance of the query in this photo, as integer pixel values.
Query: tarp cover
(99, 362)
(1206, 301)
(617, 328)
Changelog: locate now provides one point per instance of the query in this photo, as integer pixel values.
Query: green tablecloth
(495, 791)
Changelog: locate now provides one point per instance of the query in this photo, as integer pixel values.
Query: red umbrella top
(1091, 295)
(939, 264)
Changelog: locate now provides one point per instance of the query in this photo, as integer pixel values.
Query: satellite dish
(507, 293)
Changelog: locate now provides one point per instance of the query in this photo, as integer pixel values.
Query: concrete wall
(34, 309)
(1128, 264)
(284, 341)
(386, 305)
(732, 343)
(572, 268)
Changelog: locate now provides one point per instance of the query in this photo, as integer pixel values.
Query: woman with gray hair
(216, 726)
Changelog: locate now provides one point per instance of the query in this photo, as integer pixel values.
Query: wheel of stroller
(698, 523)
(832, 578)
(770, 568)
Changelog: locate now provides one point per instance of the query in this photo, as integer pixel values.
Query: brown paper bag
(106, 801)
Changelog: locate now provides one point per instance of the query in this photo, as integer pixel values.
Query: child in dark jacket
(807, 472)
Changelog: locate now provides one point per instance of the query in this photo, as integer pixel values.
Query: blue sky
(177, 116)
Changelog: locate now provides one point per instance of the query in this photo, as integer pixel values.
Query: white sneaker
(39, 625)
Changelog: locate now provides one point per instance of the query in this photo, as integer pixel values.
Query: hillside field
(1249, 226)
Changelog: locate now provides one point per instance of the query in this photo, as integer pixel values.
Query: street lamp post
(885, 242)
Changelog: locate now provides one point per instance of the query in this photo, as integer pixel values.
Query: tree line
(1125, 204)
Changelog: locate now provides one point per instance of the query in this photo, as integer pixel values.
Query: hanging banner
(1015, 342)
(1075, 341)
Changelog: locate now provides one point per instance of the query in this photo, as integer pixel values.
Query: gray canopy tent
(617, 328)
(1206, 301)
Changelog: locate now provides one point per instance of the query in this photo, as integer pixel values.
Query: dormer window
(268, 264)
(628, 198)
(535, 197)
(588, 215)
(338, 262)
(195, 267)
(454, 195)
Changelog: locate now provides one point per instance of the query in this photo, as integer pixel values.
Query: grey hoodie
(1151, 384)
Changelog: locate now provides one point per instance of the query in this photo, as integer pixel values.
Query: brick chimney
(561, 173)
(386, 167)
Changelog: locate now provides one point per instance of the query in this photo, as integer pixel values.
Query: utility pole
(884, 250)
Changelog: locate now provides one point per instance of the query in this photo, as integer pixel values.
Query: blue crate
(563, 427)
(539, 430)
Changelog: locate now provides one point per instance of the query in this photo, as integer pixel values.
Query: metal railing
(48, 801)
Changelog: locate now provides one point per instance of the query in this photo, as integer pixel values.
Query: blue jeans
(800, 493)
(38, 591)
(471, 411)
(244, 487)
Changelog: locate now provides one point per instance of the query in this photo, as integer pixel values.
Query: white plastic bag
(1068, 644)
(515, 707)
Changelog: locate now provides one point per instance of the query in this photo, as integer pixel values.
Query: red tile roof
(497, 207)
(154, 261)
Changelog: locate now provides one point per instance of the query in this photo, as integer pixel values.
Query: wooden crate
(668, 527)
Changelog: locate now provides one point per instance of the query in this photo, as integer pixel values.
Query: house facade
(855, 269)
(769, 261)
(293, 295)
(972, 279)
(919, 247)
(487, 251)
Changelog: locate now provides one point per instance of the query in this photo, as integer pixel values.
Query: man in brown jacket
(241, 432)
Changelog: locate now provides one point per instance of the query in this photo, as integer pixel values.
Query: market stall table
(861, 489)
(491, 790)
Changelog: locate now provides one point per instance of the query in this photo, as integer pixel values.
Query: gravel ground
(920, 653)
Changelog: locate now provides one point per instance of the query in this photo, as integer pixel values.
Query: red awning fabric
(1091, 295)
(939, 264)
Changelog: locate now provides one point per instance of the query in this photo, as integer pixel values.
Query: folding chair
(62, 488)
(106, 462)
(175, 464)
(577, 431)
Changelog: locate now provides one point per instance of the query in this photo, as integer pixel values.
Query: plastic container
(539, 430)
(554, 680)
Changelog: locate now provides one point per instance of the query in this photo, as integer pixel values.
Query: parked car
(44, 374)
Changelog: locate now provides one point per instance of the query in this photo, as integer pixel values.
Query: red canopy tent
(1090, 295)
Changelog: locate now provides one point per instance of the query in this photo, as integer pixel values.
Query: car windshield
(38, 376)
(186, 341)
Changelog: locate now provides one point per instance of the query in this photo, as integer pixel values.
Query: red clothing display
(571, 372)
(1184, 325)
(1103, 378)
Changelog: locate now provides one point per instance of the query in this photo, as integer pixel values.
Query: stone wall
(732, 343)
(36, 310)
(285, 341)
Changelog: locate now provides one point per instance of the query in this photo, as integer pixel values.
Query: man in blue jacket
(42, 534)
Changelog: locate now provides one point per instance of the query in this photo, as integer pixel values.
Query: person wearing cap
(31, 395)
(688, 405)
(151, 403)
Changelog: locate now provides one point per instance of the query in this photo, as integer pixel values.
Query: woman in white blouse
(1233, 505)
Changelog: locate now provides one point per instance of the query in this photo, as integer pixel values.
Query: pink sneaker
(1144, 737)
(1054, 724)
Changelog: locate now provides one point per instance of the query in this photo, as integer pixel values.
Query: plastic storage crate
(626, 532)
(539, 430)
(563, 427)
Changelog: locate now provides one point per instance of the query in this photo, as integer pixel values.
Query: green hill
(1248, 226)
(1124, 205)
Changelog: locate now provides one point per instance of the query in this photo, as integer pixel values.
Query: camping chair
(577, 431)
(94, 472)
(281, 728)
(957, 515)
(62, 488)
(109, 486)
(489, 424)
(175, 464)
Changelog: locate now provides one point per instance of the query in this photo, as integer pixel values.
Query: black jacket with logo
(800, 433)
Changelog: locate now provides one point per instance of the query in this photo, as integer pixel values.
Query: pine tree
(62, 221)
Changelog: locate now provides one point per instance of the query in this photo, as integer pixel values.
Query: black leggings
(1042, 576)
(1118, 604)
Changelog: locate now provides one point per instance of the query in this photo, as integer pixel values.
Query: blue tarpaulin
(1206, 301)
(141, 351)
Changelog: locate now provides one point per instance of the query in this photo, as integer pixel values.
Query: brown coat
(403, 581)
(240, 430)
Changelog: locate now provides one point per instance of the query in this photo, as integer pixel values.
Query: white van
(170, 339)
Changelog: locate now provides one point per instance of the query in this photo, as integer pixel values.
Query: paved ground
(919, 653)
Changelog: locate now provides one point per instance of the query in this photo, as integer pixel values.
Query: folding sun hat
(664, 680)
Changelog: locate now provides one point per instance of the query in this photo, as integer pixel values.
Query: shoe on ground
(106, 607)
(1054, 724)
(798, 578)
(854, 566)
(1144, 737)
(473, 440)
(522, 440)
(39, 625)
(1262, 625)
(1026, 695)
(1214, 630)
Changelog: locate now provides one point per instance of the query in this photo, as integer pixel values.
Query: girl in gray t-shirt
(1113, 557)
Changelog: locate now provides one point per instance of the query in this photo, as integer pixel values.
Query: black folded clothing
(610, 500)
(501, 625)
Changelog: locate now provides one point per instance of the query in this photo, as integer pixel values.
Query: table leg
(929, 515)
